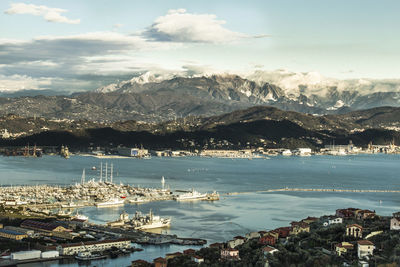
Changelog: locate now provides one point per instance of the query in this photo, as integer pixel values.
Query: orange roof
(354, 225)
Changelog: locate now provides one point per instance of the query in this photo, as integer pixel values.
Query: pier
(315, 190)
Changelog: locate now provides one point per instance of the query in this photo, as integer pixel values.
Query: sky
(80, 45)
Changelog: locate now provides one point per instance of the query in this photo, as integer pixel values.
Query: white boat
(110, 203)
(69, 205)
(138, 200)
(193, 195)
(149, 221)
(80, 217)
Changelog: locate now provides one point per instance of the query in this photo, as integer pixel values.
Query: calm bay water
(232, 215)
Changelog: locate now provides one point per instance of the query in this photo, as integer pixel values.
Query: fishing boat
(87, 256)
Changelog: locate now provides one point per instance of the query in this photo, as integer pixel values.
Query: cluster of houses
(268, 239)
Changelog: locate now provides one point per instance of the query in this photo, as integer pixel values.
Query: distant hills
(156, 98)
(253, 127)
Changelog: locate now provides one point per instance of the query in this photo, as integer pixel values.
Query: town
(350, 237)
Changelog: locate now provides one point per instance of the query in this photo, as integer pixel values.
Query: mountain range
(155, 97)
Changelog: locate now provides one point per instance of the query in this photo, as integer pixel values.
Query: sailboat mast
(101, 171)
(111, 175)
(106, 171)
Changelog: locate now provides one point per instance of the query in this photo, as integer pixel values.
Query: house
(299, 227)
(237, 241)
(331, 221)
(269, 250)
(364, 214)
(189, 251)
(160, 262)
(354, 230)
(310, 219)
(197, 259)
(365, 248)
(140, 263)
(262, 233)
(283, 231)
(346, 213)
(252, 235)
(268, 239)
(230, 254)
(343, 248)
(395, 222)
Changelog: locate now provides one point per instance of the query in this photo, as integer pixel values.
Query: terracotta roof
(354, 225)
(365, 243)
(230, 249)
(39, 225)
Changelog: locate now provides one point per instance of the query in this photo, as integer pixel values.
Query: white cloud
(48, 13)
(22, 82)
(179, 26)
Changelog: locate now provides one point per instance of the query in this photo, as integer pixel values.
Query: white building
(92, 246)
(365, 248)
(395, 222)
(337, 220)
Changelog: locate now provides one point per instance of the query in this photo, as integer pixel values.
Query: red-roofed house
(140, 263)
(268, 240)
(365, 214)
(197, 259)
(299, 227)
(189, 251)
(269, 250)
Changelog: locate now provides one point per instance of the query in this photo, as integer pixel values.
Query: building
(133, 152)
(354, 230)
(197, 259)
(140, 263)
(160, 262)
(331, 221)
(343, 248)
(364, 214)
(269, 250)
(43, 227)
(237, 241)
(365, 248)
(395, 222)
(299, 227)
(29, 232)
(346, 213)
(26, 255)
(252, 235)
(190, 251)
(310, 219)
(268, 239)
(10, 234)
(283, 232)
(230, 254)
(92, 246)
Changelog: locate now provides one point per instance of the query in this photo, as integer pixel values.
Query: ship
(145, 222)
(110, 203)
(80, 217)
(138, 200)
(87, 256)
(193, 195)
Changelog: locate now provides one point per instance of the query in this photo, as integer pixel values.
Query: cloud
(22, 82)
(179, 26)
(48, 13)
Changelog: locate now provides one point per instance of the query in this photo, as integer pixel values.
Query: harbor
(194, 222)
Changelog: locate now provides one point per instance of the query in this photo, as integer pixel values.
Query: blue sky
(77, 45)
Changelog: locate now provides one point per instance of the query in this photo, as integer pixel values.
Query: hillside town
(350, 237)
